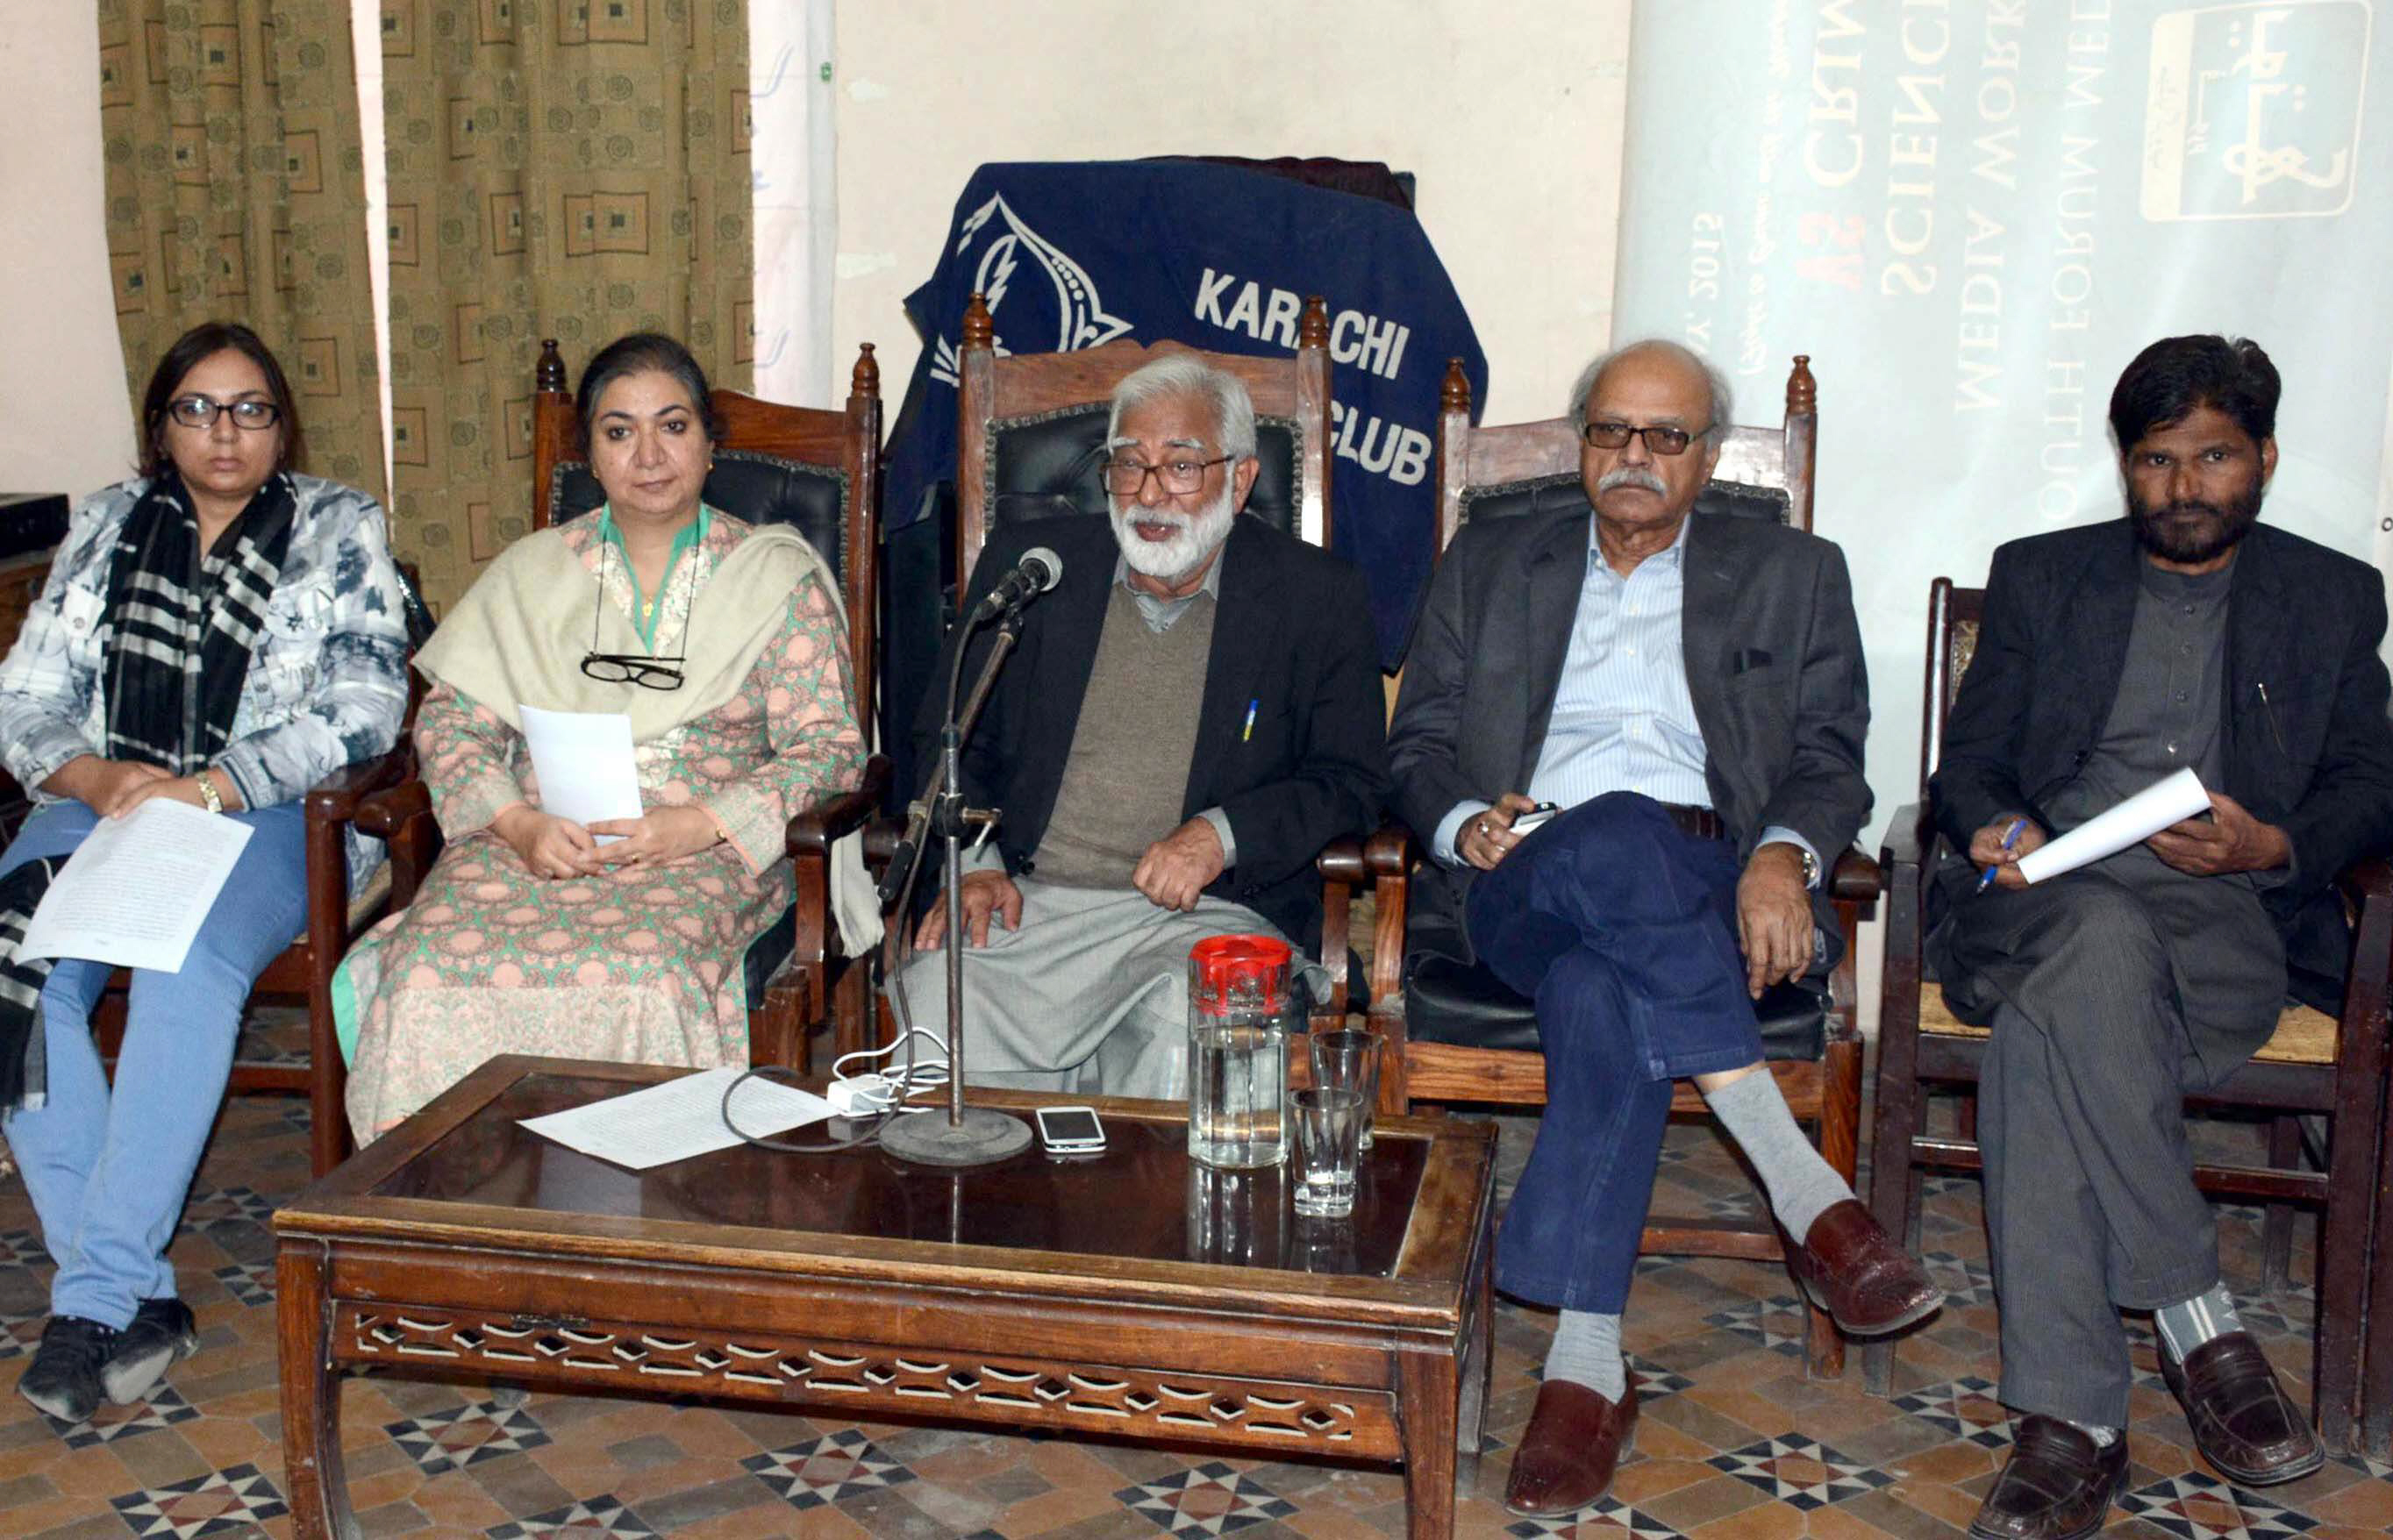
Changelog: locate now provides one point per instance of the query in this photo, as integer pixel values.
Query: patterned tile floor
(1734, 1441)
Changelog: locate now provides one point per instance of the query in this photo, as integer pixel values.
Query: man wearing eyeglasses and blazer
(1190, 716)
(1688, 693)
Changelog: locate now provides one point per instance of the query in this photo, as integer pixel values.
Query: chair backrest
(1031, 429)
(1952, 618)
(819, 471)
(1530, 467)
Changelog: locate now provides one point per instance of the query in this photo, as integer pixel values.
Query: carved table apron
(459, 1242)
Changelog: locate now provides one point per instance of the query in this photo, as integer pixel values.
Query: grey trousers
(2112, 992)
(1088, 996)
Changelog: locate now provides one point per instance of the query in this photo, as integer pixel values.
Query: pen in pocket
(1248, 733)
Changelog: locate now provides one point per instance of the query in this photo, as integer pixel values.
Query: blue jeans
(1623, 930)
(109, 1170)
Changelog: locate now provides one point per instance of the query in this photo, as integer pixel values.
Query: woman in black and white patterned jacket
(222, 631)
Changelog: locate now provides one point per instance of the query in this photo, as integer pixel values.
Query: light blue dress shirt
(1622, 720)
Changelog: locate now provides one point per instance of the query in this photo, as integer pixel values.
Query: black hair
(2173, 376)
(201, 342)
(638, 354)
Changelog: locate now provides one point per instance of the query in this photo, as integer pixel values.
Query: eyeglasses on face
(1659, 439)
(1127, 477)
(199, 411)
(621, 667)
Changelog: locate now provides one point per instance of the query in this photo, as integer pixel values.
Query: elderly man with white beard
(1188, 718)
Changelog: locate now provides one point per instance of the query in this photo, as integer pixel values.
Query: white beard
(1199, 535)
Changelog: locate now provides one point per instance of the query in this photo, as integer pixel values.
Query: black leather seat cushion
(1469, 1006)
(1047, 465)
(1555, 494)
(761, 489)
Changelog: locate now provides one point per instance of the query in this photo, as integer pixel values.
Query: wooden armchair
(1031, 437)
(1456, 1034)
(815, 470)
(2315, 1064)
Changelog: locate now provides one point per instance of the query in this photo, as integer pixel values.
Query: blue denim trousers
(108, 1169)
(1623, 930)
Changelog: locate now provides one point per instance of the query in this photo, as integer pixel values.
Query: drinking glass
(1328, 1124)
(1348, 1060)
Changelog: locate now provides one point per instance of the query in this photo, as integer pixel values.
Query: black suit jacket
(1291, 633)
(2308, 743)
(1774, 660)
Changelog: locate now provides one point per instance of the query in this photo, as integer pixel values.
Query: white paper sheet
(584, 759)
(134, 892)
(679, 1118)
(2170, 800)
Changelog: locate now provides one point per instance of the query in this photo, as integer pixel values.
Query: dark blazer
(1292, 635)
(1773, 659)
(2308, 743)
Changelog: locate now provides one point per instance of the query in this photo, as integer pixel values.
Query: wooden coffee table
(1132, 1294)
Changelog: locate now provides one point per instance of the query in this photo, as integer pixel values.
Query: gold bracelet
(208, 792)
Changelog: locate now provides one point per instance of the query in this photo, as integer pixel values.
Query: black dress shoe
(2058, 1485)
(2243, 1423)
(63, 1380)
(162, 1333)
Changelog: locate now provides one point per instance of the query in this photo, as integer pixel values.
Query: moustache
(1630, 476)
(2189, 509)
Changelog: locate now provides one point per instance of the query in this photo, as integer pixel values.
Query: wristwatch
(208, 792)
(1810, 867)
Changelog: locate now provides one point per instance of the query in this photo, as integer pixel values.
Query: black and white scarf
(181, 626)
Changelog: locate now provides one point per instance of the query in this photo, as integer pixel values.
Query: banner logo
(1080, 315)
(2252, 110)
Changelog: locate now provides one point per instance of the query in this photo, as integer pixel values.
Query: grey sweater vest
(1127, 776)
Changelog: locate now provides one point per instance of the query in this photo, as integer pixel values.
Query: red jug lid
(1226, 963)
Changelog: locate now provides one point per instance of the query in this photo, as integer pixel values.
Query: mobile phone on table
(1070, 1130)
(1535, 818)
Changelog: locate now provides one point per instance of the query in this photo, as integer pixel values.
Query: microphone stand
(964, 1136)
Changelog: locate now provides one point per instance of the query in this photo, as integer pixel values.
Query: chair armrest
(2367, 881)
(1342, 861)
(1389, 852)
(1908, 836)
(385, 812)
(1856, 879)
(881, 840)
(812, 832)
(337, 797)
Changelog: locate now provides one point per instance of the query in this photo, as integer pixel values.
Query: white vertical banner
(1972, 215)
(796, 204)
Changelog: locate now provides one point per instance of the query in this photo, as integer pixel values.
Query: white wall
(66, 424)
(1510, 117)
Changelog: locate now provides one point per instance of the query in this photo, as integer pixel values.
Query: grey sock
(2103, 1437)
(1587, 1352)
(2189, 1322)
(1803, 1186)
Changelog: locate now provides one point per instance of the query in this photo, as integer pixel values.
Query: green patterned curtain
(235, 192)
(573, 169)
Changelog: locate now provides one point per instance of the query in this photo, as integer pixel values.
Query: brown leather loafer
(2243, 1423)
(2058, 1485)
(1574, 1442)
(1852, 1270)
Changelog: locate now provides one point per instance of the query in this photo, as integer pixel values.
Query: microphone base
(983, 1137)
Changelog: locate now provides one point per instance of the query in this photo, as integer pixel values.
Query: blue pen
(1249, 733)
(2010, 838)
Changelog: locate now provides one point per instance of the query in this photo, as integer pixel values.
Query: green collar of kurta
(644, 606)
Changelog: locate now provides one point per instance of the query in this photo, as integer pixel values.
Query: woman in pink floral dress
(725, 644)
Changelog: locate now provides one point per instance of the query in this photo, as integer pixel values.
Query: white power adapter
(860, 1095)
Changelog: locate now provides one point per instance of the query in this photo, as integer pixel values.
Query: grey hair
(1186, 374)
(1723, 404)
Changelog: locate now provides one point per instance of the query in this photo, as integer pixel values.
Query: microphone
(1038, 571)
